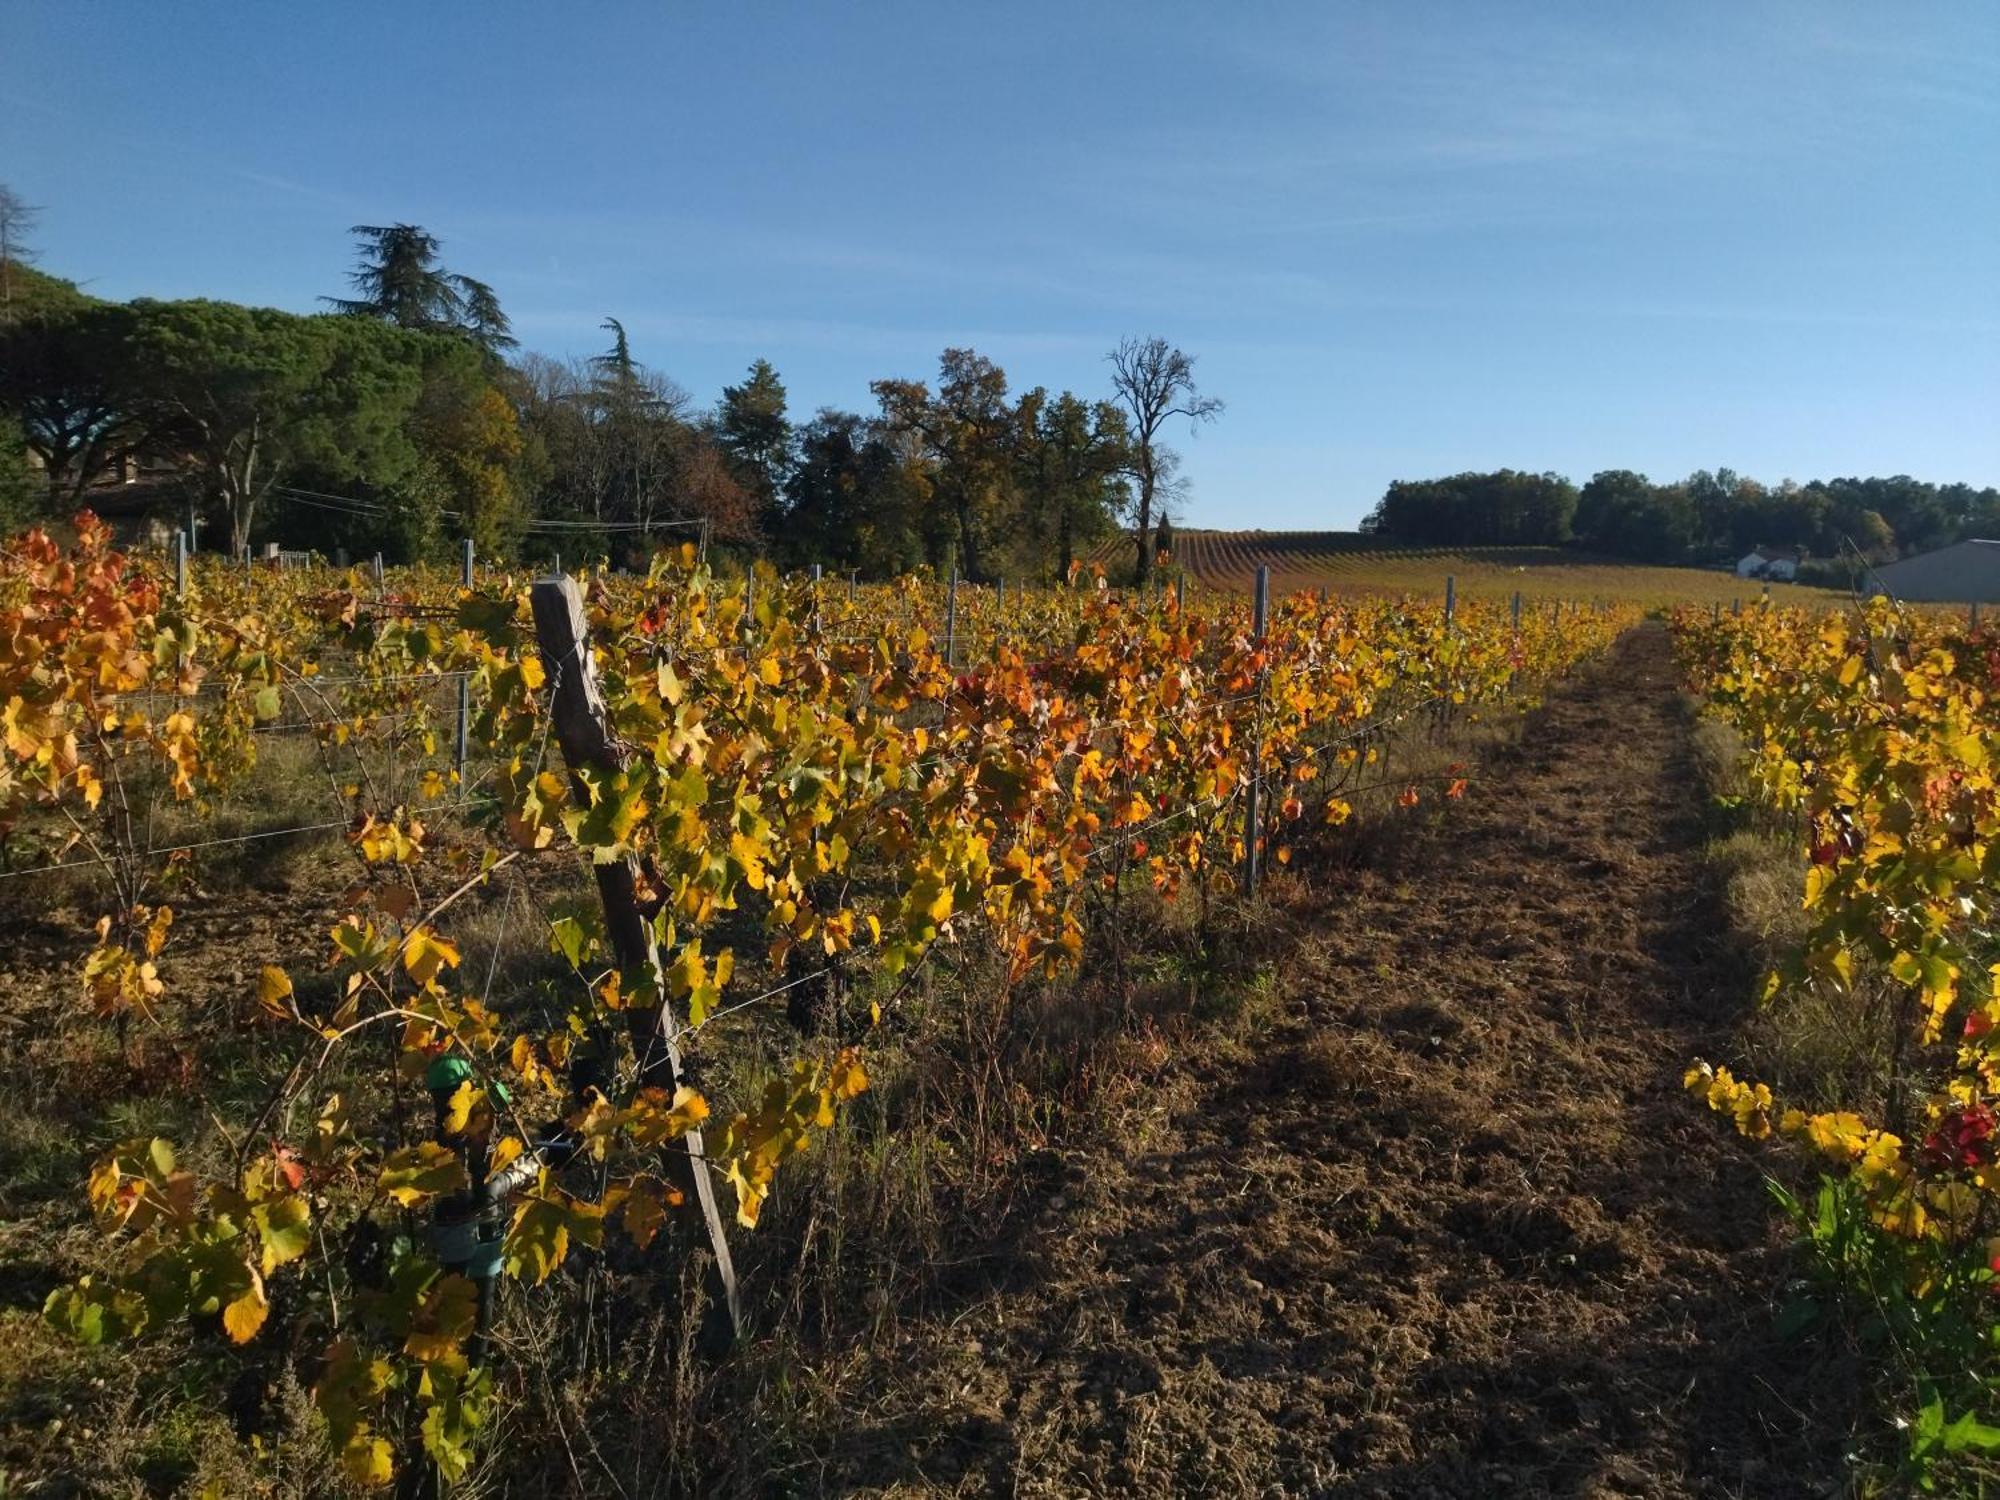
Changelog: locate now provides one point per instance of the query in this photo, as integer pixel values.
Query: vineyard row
(772, 784)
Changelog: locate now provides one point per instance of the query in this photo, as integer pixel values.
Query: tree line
(1710, 516)
(404, 415)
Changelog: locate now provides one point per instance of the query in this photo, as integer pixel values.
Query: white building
(1769, 562)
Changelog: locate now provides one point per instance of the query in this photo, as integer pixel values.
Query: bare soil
(1448, 1228)
(1435, 1219)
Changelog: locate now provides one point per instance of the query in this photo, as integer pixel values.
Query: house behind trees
(1776, 563)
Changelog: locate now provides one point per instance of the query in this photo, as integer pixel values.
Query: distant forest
(404, 416)
(1711, 516)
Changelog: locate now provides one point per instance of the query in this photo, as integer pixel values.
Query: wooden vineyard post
(181, 563)
(464, 679)
(816, 575)
(1441, 720)
(583, 730)
(1180, 593)
(1514, 673)
(1253, 826)
(951, 623)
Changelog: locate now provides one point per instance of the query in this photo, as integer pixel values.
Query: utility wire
(238, 838)
(376, 510)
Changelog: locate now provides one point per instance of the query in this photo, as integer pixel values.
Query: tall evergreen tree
(755, 432)
(619, 377)
(481, 317)
(400, 280)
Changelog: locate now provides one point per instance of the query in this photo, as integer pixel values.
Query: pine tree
(401, 281)
(754, 431)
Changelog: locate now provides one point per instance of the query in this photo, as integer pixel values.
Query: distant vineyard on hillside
(1351, 562)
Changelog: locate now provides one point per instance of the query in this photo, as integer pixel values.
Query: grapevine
(817, 780)
(1872, 734)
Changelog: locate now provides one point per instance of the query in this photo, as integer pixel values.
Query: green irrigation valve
(448, 1072)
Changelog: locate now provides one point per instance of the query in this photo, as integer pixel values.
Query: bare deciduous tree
(17, 219)
(1154, 381)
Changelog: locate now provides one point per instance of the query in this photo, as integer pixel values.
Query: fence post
(816, 575)
(749, 602)
(951, 622)
(1514, 673)
(1180, 593)
(465, 564)
(181, 563)
(583, 729)
(1253, 825)
(1975, 614)
(1450, 600)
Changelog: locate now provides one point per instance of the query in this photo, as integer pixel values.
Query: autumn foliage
(815, 787)
(1872, 732)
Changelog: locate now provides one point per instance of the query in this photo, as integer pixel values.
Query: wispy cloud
(345, 201)
(165, 147)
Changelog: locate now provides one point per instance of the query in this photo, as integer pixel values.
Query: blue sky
(1402, 239)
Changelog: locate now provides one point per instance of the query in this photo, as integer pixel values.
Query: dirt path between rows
(1453, 1229)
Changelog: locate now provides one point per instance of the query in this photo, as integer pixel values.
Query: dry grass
(1443, 1222)
(1384, 1182)
(1819, 1049)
